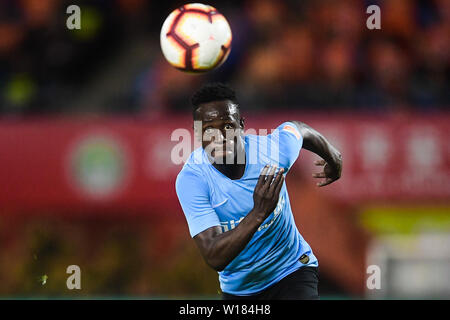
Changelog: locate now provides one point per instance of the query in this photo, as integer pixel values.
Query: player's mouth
(222, 151)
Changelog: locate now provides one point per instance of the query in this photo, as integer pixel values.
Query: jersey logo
(231, 224)
(292, 130)
(304, 259)
(219, 204)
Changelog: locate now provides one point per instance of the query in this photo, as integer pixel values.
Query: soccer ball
(196, 38)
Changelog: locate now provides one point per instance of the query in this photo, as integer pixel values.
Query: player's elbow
(215, 263)
(217, 266)
(212, 251)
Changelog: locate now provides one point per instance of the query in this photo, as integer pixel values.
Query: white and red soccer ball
(196, 38)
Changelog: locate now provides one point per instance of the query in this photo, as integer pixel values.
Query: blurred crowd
(313, 55)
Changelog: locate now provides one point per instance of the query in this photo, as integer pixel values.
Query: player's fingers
(325, 182)
(262, 176)
(320, 162)
(279, 186)
(319, 175)
(270, 176)
(277, 179)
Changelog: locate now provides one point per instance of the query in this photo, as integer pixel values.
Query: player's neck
(236, 169)
(233, 171)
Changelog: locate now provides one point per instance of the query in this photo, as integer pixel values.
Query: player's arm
(220, 248)
(332, 159)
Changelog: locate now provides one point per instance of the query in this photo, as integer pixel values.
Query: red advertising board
(127, 164)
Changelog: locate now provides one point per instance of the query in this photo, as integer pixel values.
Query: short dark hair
(209, 92)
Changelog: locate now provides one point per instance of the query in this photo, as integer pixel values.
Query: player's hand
(267, 191)
(330, 173)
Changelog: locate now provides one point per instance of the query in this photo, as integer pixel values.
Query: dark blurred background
(85, 140)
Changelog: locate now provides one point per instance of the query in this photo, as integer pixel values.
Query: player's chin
(223, 156)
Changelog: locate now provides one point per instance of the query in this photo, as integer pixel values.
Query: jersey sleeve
(288, 141)
(193, 194)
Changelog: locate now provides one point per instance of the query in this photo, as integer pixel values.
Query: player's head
(212, 92)
(218, 122)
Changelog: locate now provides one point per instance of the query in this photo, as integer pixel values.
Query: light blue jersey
(209, 198)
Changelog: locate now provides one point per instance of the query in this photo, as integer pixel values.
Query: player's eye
(209, 130)
(229, 126)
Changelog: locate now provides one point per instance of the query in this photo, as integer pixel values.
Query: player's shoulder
(252, 137)
(289, 128)
(192, 168)
(285, 127)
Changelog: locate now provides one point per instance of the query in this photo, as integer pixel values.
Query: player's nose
(219, 138)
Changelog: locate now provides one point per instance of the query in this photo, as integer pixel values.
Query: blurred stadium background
(85, 123)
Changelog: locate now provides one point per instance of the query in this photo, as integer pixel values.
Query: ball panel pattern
(196, 38)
